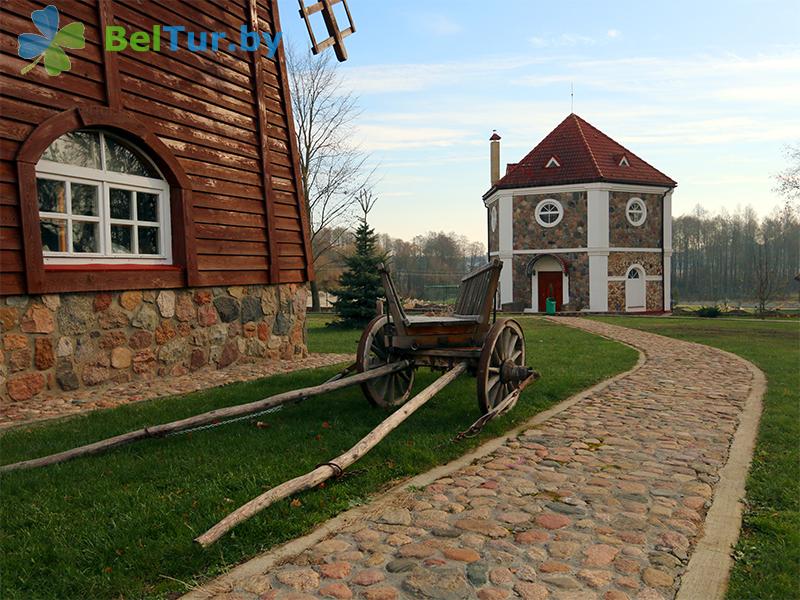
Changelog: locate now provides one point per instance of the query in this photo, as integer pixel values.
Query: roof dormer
(623, 162)
(553, 162)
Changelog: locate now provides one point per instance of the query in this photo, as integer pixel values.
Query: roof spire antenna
(571, 98)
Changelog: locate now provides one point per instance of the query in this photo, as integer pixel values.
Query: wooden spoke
(393, 389)
(504, 342)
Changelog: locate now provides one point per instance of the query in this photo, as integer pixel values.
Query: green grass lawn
(120, 525)
(768, 553)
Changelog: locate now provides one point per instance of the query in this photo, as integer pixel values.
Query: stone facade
(578, 271)
(655, 296)
(569, 233)
(70, 341)
(624, 235)
(494, 234)
(616, 296)
(654, 293)
(620, 262)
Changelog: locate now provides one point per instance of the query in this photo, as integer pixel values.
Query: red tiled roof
(585, 154)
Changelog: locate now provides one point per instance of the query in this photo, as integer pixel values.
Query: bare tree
(789, 178)
(764, 276)
(333, 170)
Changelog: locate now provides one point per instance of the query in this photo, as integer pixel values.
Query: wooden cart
(493, 351)
(392, 346)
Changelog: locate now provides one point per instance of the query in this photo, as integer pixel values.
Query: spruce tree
(360, 283)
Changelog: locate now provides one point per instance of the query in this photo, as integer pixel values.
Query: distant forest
(723, 258)
(736, 258)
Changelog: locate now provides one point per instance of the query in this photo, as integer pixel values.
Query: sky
(707, 92)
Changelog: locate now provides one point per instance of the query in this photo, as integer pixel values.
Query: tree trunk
(315, 307)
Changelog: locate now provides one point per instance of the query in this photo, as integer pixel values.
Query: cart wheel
(503, 349)
(389, 390)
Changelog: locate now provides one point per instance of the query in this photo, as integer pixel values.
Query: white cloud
(389, 137)
(565, 40)
(613, 33)
(438, 24)
(393, 78)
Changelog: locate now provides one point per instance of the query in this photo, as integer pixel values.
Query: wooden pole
(219, 414)
(328, 470)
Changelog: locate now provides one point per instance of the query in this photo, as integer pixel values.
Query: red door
(550, 286)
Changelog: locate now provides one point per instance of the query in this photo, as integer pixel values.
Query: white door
(634, 290)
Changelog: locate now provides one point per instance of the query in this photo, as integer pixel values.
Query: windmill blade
(335, 35)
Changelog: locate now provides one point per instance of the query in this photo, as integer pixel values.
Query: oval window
(636, 211)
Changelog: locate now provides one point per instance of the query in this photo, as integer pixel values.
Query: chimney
(494, 157)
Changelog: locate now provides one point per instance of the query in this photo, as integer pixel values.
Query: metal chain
(344, 373)
(226, 422)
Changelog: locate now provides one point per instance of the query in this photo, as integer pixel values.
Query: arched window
(101, 200)
(634, 273)
(549, 213)
(636, 211)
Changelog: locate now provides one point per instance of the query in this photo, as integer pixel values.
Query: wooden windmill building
(151, 221)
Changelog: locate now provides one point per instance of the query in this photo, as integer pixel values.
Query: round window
(636, 211)
(549, 213)
(493, 218)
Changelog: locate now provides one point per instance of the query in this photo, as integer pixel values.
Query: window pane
(124, 158)
(148, 240)
(79, 148)
(122, 239)
(54, 235)
(51, 195)
(84, 199)
(121, 203)
(146, 207)
(84, 236)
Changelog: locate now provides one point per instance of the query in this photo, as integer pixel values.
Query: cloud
(440, 25)
(416, 77)
(613, 33)
(565, 40)
(389, 137)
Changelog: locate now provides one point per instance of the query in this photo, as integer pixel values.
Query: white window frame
(553, 162)
(539, 207)
(623, 162)
(642, 203)
(105, 180)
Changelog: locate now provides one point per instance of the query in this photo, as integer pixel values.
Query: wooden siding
(224, 117)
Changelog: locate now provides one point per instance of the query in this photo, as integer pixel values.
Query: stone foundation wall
(69, 341)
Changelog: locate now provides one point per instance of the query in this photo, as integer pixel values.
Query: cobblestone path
(604, 500)
(70, 403)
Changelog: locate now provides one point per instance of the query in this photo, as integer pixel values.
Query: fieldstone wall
(616, 296)
(624, 235)
(69, 341)
(620, 262)
(494, 236)
(578, 282)
(654, 296)
(569, 233)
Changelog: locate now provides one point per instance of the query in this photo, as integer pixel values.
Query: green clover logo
(49, 45)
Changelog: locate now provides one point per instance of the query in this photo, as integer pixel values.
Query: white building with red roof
(582, 221)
